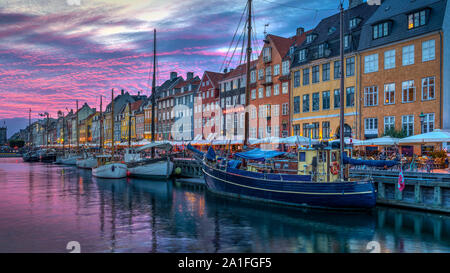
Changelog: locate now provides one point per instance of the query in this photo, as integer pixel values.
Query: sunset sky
(53, 52)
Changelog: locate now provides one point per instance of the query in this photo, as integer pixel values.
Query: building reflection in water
(130, 215)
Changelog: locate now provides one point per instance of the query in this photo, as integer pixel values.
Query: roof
(325, 35)
(214, 77)
(135, 105)
(239, 70)
(396, 12)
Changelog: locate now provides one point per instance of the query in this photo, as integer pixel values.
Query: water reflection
(44, 206)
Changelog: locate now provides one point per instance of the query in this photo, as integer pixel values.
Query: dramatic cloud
(53, 52)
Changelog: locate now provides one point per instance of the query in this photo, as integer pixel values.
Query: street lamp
(422, 119)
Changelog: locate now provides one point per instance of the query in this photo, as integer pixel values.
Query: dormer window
(417, 19)
(321, 50)
(354, 22)
(310, 38)
(347, 39)
(302, 55)
(331, 30)
(380, 30)
(291, 50)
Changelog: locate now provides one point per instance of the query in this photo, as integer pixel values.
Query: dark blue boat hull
(294, 190)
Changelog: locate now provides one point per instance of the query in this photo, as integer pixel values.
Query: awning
(435, 136)
(164, 145)
(258, 154)
(381, 141)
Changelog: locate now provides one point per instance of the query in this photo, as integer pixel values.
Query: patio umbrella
(381, 141)
(436, 136)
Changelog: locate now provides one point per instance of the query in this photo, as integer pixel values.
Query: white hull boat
(155, 169)
(87, 163)
(110, 170)
(68, 160)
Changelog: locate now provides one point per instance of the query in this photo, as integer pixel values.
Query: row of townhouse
(396, 79)
(396, 71)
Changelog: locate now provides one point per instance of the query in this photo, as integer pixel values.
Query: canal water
(43, 207)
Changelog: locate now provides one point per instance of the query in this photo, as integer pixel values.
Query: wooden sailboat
(154, 168)
(107, 166)
(317, 181)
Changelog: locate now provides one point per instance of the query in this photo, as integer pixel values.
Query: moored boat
(154, 168)
(109, 169)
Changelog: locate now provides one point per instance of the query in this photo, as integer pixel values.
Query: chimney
(121, 92)
(225, 70)
(189, 76)
(173, 75)
(139, 93)
(354, 3)
(300, 31)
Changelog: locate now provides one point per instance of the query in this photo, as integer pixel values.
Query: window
(428, 123)
(321, 50)
(389, 93)
(371, 96)
(253, 94)
(337, 98)
(350, 96)
(371, 63)
(408, 125)
(347, 39)
(380, 30)
(297, 78)
(306, 103)
(416, 19)
(306, 76)
(310, 38)
(253, 113)
(315, 74)
(253, 76)
(337, 69)
(260, 74)
(315, 130)
(428, 88)
(350, 66)
(260, 93)
(354, 22)
(285, 67)
(389, 123)
(285, 109)
(325, 100)
(242, 98)
(326, 72)
(371, 126)
(302, 55)
(284, 87)
(296, 105)
(267, 54)
(306, 132)
(276, 110)
(316, 101)
(296, 129)
(260, 132)
(408, 55)
(268, 91)
(428, 50)
(408, 91)
(276, 70)
(389, 59)
(326, 129)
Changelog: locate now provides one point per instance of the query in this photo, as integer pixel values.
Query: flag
(401, 181)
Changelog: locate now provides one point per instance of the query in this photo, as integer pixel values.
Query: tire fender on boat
(112, 168)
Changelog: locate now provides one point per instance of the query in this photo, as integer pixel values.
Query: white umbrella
(381, 141)
(299, 140)
(435, 136)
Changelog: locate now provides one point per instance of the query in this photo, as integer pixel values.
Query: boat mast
(101, 125)
(247, 84)
(112, 123)
(64, 134)
(78, 136)
(129, 125)
(341, 93)
(153, 91)
(29, 130)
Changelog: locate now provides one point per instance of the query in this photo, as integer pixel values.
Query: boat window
(302, 156)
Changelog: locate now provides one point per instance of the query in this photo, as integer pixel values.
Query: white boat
(109, 169)
(131, 156)
(155, 168)
(87, 163)
(68, 160)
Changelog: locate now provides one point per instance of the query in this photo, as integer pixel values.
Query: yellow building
(315, 76)
(148, 121)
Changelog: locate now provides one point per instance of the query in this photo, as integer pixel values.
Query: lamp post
(422, 118)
